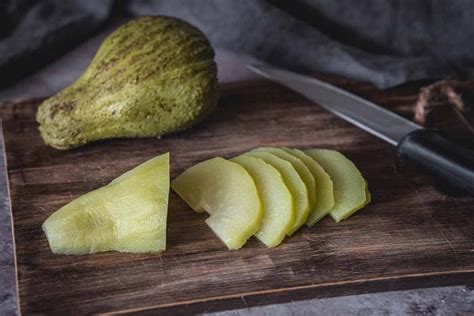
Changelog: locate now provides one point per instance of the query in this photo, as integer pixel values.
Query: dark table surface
(455, 300)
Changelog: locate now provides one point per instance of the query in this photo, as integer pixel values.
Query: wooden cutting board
(409, 236)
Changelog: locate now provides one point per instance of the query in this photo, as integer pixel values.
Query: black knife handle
(451, 164)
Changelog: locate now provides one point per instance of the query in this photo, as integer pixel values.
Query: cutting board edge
(10, 211)
(307, 292)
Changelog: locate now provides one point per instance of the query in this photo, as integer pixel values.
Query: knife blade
(450, 163)
(356, 110)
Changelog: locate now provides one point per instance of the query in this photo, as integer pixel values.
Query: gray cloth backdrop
(383, 42)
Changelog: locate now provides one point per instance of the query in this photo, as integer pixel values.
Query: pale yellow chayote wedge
(324, 187)
(227, 192)
(277, 202)
(350, 188)
(128, 215)
(295, 185)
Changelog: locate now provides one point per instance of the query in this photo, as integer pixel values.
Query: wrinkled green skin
(152, 76)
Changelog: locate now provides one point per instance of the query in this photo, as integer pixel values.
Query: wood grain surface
(409, 236)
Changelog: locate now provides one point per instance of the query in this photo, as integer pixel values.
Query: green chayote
(152, 76)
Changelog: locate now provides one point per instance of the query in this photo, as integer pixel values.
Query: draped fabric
(383, 42)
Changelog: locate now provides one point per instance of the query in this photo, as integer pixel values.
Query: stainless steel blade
(356, 110)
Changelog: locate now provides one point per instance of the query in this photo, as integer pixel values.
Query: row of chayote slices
(272, 192)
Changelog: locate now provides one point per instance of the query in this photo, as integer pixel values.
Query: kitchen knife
(450, 163)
